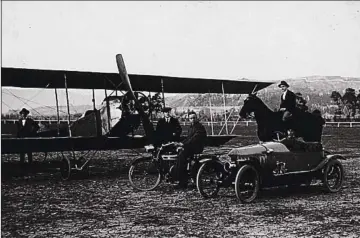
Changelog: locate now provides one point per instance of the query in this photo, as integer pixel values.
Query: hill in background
(315, 89)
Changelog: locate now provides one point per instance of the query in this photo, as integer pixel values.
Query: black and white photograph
(180, 119)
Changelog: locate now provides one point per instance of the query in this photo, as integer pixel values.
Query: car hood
(259, 148)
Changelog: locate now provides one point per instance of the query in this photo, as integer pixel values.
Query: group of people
(290, 102)
(168, 129)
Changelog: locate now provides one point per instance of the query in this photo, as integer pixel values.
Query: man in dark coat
(193, 144)
(301, 103)
(293, 143)
(288, 103)
(167, 129)
(27, 127)
(319, 124)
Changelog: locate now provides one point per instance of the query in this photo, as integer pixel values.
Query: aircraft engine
(119, 115)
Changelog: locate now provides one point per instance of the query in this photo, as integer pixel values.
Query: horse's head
(251, 103)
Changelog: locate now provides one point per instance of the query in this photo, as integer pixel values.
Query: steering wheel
(279, 135)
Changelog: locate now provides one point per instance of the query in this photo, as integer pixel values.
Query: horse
(269, 122)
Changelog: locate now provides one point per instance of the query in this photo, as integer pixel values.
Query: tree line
(348, 104)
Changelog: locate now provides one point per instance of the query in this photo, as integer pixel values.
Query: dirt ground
(103, 204)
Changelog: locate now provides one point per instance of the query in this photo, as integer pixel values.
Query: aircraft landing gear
(75, 163)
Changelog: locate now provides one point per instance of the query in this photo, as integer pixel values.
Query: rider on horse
(288, 103)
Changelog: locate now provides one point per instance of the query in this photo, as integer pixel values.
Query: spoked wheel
(65, 168)
(333, 176)
(208, 179)
(75, 162)
(194, 169)
(144, 174)
(247, 183)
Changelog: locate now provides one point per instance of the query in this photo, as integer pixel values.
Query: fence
(229, 123)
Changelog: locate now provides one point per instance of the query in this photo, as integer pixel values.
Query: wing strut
(93, 99)
(211, 118)
(67, 102)
(107, 106)
(253, 91)
(162, 89)
(57, 112)
(223, 92)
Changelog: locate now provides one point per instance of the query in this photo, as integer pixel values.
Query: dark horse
(269, 122)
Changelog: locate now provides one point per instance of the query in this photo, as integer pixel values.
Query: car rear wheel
(144, 174)
(208, 178)
(247, 183)
(333, 176)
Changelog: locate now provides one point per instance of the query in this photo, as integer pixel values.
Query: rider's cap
(283, 83)
(166, 109)
(24, 111)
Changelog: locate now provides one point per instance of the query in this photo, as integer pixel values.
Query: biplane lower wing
(58, 144)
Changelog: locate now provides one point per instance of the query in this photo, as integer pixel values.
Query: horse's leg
(262, 132)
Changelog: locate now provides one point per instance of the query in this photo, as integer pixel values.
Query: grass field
(39, 204)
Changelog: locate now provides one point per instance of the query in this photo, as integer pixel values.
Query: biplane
(111, 126)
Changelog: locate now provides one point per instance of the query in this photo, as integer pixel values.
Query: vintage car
(270, 164)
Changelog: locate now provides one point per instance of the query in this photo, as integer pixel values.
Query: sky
(268, 41)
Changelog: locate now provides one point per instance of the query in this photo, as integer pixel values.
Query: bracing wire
(21, 99)
(7, 105)
(39, 91)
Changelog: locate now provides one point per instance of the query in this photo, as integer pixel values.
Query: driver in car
(293, 143)
(193, 144)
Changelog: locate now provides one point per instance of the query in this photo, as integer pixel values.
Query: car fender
(256, 159)
(335, 156)
(202, 161)
(327, 159)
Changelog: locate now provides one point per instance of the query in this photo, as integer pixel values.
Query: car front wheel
(247, 183)
(333, 176)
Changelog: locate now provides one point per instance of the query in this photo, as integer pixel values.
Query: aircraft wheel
(65, 168)
(333, 176)
(247, 183)
(144, 174)
(208, 179)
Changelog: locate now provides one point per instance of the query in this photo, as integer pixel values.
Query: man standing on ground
(27, 127)
(167, 129)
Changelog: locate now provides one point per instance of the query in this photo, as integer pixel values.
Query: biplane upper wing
(44, 78)
(41, 78)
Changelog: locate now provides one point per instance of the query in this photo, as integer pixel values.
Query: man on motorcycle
(193, 144)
